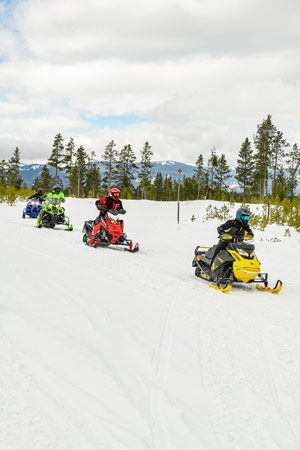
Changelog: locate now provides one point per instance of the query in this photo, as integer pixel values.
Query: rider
(233, 227)
(104, 204)
(57, 193)
(39, 195)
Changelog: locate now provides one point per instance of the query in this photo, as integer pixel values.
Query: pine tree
(200, 175)
(3, 172)
(77, 176)
(125, 166)
(277, 156)
(280, 186)
(263, 140)
(167, 191)
(13, 177)
(188, 188)
(68, 157)
(293, 165)
(109, 160)
(212, 166)
(158, 184)
(57, 157)
(245, 167)
(44, 181)
(222, 173)
(146, 168)
(93, 178)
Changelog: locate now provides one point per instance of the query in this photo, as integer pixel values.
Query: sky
(184, 75)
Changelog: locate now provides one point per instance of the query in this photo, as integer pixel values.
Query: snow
(102, 349)
(166, 163)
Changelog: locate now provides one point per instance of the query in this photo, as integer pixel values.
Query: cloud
(191, 74)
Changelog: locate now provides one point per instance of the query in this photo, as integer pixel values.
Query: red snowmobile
(109, 232)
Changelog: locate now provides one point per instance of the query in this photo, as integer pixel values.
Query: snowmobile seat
(208, 255)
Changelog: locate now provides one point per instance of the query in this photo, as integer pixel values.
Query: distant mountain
(30, 171)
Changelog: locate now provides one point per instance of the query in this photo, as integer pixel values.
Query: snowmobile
(32, 208)
(110, 231)
(236, 264)
(53, 214)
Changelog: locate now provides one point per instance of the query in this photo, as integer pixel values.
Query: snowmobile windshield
(242, 245)
(113, 217)
(54, 200)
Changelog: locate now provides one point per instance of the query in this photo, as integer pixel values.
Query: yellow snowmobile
(236, 264)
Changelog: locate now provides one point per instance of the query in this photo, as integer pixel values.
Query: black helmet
(242, 215)
(40, 191)
(57, 189)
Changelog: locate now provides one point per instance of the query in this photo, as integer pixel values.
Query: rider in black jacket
(39, 195)
(235, 227)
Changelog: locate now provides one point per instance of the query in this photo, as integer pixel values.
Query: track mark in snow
(158, 400)
(21, 425)
(233, 359)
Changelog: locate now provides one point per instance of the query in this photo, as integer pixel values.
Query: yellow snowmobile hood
(244, 269)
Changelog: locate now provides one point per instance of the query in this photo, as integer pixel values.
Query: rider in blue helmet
(234, 227)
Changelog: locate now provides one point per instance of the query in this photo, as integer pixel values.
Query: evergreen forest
(266, 170)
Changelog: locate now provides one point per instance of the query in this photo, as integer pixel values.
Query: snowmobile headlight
(252, 254)
(242, 252)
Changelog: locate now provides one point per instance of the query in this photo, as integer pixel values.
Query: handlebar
(229, 237)
(115, 212)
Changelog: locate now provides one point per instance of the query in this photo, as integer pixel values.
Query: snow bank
(100, 348)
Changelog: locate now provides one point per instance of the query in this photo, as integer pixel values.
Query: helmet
(40, 191)
(242, 215)
(114, 193)
(57, 189)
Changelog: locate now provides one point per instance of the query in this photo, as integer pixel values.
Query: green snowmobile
(53, 214)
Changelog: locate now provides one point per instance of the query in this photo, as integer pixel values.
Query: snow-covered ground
(102, 349)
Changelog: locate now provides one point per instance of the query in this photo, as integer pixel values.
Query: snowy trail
(104, 349)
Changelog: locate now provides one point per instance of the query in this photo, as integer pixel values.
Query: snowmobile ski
(225, 289)
(132, 249)
(277, 288)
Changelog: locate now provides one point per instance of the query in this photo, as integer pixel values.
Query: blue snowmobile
(34, 205)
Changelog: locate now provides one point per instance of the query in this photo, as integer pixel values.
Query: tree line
(83, 173)
(266, 168)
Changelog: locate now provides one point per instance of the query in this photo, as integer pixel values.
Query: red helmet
(114, 193)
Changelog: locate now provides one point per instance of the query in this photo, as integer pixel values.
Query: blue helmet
(57, 189)
(242, 215)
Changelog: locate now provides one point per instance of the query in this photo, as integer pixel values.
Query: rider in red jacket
(111, 202)
(104, 204)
